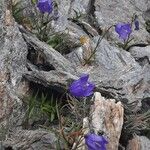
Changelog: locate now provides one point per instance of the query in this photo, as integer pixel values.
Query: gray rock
(13, 51)
(141, 53)
(80, 6)
(63, 10)
(139, 143)
(146, 14)
(50, 55)
(31, 140)
(115, 72)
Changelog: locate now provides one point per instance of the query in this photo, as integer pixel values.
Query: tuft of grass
(49, 107)
(40, 108)
(17, 10)
(134, 123)
(60, 42)
(70, 130)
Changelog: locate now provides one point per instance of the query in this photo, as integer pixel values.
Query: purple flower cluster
(95, 142)
(45, 6)
(82, 87)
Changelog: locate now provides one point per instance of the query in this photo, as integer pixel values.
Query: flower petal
(81, 87)
(136, 23)
(95, 142)
(45, 6)
(89, 89)
(84, 78)
(124, 30)
(118, 27)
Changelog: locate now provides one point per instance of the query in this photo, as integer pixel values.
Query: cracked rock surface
(117, 74)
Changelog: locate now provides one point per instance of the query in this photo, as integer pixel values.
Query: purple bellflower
(95, 142)
(45, 6)
(136, 23)
(124, 30)
(82, 87)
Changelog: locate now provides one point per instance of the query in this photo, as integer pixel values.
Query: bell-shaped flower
(82, 87)
(136, 23)
(95, 142)
(45, 6)
(124, 30)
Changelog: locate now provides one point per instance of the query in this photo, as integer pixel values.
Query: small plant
(44, 107)
(45, 11)
(70, 125)
(137, 122)
(69, 132)
(17, 10)
(124, 31)
(59, 41)
(90, 57)
(134, 123)
(49, 107)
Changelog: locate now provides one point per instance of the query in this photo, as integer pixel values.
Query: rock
(31, 140)
(80, 6)
(107, 116)
(141, 54)
(139, 143)
(63, 11)
(75, 56)
(49, 55)
(74, 33)
(114, 71)
(13, 64)
(16, 72)
(146, 14)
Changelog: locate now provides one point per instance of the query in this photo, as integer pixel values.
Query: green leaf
(52, 117)
(33, 1)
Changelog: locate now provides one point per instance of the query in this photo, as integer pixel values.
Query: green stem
(84, 105)
(98, 42)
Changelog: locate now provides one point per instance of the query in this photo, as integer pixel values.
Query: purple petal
(81, 87)
(45, 6)
(89, 89)
(123, 35)
(136, 23)
(84, 78)
(96, 138)
(95, 142)
(76, 88)
(124, 30)
(118, 27)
